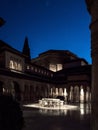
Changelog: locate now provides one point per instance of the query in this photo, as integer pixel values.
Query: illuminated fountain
(51, 104)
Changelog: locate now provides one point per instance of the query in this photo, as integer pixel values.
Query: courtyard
(67, 119)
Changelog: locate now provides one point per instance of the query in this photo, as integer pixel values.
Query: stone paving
(36, 119)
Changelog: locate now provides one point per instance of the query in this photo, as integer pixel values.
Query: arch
(65, 94)
(26, 92)
(60, 91)
(76, 94)
(31, 92)
(53, 91)
(57, 91)
(71, 94)
(17, 91)
(14, 90)
(81, 94)
(88, 98)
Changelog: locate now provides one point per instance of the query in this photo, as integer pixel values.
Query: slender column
(70, 94)
(85, 90)
(92, 6)
(31, 92)
(22, 90)
(34, 92)
(79, 94)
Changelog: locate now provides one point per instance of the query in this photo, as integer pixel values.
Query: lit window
(11, 65)
(59, 67)
(19, 66)
(52, 67)
(55, 67)
(15, 64)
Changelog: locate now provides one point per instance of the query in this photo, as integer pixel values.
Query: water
(66, 119)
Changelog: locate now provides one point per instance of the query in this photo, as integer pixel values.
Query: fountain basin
(51, 104)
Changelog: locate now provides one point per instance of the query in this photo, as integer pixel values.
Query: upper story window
(55, 67)
(52, 67)
(11, 64)
(59, 67)
(15, 63)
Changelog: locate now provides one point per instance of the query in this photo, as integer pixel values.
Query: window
(55, 67)
(11, 64)
(59, 67)
(15, 64)
(52, 67)
(19, 66)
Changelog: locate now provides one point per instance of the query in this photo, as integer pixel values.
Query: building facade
(53, 73)
(92, 6)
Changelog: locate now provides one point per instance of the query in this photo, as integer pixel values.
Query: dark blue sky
(48, 24)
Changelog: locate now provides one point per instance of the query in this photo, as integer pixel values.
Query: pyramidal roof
(63, 52)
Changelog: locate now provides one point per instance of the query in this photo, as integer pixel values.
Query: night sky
(48, 24)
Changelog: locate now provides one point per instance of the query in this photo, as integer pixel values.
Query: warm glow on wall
(15, 65)
(81, 95)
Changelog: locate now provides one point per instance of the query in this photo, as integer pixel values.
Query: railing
(33, 69)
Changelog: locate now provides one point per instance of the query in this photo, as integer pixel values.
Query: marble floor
(65, 119)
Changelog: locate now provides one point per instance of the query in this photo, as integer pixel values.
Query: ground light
(36, 105)
(51, 104)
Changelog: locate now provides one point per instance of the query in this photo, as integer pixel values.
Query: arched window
(11, 64)
(15, 64)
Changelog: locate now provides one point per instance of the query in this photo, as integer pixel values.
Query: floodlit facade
(53, 73)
